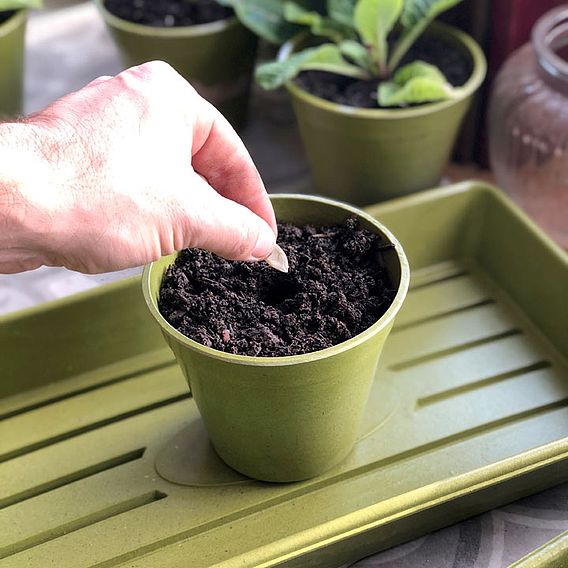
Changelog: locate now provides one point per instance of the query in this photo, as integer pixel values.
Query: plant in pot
(379, 90)
(281, 364)
(12, 31)
(212, 43)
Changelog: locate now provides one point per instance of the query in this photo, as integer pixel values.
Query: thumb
(223, 226)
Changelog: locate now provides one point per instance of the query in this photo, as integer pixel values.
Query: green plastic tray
(472, 412)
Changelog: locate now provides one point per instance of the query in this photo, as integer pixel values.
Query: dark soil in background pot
(168, 13)
(454, 64)
(4, 16)
(336, 288)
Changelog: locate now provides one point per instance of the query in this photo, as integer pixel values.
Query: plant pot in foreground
(366, 155)
(12, 33)
(216, 58)
(294, 417)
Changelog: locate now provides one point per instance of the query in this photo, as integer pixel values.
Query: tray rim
(481, 187)
(458, 486)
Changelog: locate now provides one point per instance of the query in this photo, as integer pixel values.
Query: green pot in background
(12, 33)
(216, 58)
(367, 155)
(285, 418)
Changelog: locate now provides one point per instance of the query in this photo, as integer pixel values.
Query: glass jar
(528, 125)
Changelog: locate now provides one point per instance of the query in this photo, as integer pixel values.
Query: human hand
(126, 170)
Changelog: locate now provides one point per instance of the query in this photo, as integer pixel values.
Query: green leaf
(415, 18)
(20, 4)
(342, 11)
(417, 90)
(416, 11)
(298, 15)
(326, 57)
(416, 83)
(357, 53)
(418, 69)
(374, 19)
(319, 25)
(265, 18)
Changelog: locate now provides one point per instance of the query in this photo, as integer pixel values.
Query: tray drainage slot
(72, 477)
(494, 379)
(442, 315)
(82, 523)
(445, 442)
(90, 427)
(84, 390)
(437, 280)
(451, 350)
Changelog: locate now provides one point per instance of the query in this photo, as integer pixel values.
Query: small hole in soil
(280, 291)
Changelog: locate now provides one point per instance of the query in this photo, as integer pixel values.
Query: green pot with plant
(12, 32)
(212, 43)
(379, 91)
(282, 387)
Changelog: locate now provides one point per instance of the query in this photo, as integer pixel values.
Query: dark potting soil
(336, 288)
(168, 13)
(453, 63)
(6, 15)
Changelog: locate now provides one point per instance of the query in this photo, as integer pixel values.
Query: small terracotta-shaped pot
(216, 58)
(12, 33)
(286, 418)
(367, 155)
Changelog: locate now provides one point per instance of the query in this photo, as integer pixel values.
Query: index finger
(220, 156)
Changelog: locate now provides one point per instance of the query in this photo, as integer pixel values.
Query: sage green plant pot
(285, 418)
(216, 58)
(12, 33)
(367, 155)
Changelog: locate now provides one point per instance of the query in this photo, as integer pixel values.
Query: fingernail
(264, 245)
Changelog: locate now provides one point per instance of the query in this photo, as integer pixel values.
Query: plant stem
(380, 56)
(355, 72)
(383, 70)
(405, 42)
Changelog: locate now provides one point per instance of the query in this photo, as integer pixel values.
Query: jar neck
(550, 41)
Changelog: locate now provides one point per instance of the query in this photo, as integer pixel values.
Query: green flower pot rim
(377, 327)
(163, 32)
(436, 28)
(12, 23)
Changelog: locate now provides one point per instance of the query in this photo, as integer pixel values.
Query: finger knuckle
(158, 83)
(153, 70)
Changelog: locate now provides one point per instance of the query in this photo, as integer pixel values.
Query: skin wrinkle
(178, 230)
